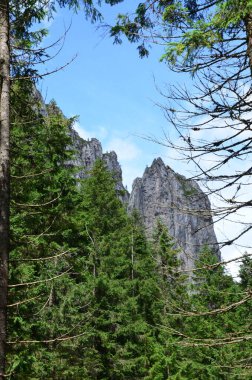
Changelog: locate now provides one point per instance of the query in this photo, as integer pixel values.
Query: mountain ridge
(160, 193)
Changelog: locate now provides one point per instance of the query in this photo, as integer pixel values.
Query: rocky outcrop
(180, 204)
(159, 194)
(87, 152)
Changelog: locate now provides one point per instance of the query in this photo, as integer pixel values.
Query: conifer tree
(44, 296)
(215, 324)
(18, 53)
(245, 272)
(125, 300)
(101, 221)
(173, 284)
(144, 350)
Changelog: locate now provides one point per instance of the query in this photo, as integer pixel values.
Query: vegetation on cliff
(90, 297)
(86, 295)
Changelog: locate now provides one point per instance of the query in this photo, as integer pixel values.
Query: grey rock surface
(160, 194)
(180, 204)
(87, 152)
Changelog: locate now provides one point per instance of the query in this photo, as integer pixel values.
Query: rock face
(180, 204)
(159, 194)
(87, 152)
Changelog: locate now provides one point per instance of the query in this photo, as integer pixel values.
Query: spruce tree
(214, 323)
(125, 304)
(245, 272)
(44, 296)
(173, 283)
(89, 301)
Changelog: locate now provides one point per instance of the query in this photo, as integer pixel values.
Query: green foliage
(95, 299)
(194, 31)
(245, 272)
(212, 353)
(95, 278)
(126, 301)
(89, 297)
(43, 200)
(187, 187)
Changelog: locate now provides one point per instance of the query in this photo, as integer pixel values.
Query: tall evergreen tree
(18, 53)
(173, 283)
(125, 300)
(4, 175)
(214, 324)
(44, 295)
(245, 272)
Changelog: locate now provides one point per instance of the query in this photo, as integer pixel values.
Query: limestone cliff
(87, 152)
(160, 193)
(180, 204)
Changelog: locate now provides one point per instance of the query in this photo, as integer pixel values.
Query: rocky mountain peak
(87, 152)
(180, 204)
(162, 194)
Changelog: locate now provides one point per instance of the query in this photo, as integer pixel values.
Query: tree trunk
(248, 24)
(4, 174)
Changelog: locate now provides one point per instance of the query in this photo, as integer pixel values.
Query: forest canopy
(84, 294)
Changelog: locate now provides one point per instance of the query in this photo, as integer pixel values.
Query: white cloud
(130, 172)
(99, 132)
(126, 149)
(82, 131)
(229, 254)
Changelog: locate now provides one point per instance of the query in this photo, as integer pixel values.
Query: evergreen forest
(89, 296)
(84, 294)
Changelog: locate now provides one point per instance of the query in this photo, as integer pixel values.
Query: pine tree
(173, 283)
(43, 192)
(126, 304)
(212, 324)
(245, 272)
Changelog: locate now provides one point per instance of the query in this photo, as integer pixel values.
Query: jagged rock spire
(180, 204)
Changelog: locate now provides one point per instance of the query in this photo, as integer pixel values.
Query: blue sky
(114, 93)
(111, 89)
